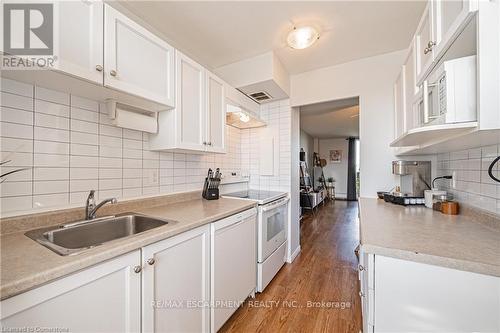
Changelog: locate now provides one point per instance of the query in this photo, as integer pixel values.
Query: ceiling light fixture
(244, 117)
(303, 37)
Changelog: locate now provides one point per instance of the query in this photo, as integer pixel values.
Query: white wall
(372, 80)
(277, 115)
(336, 170)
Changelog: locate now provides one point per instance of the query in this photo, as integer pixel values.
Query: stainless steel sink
(73, 238)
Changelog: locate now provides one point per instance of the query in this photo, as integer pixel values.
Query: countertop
(25, 264)
(464, 242)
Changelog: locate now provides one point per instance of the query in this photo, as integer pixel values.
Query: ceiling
(222, 32)
(335, 119)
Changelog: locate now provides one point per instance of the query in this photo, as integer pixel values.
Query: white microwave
(449, 94)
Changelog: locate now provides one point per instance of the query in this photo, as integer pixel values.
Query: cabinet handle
(151, 261)
(425, 94)
(430, 45)
(112, 72)
(98, 68)
(426, 50)
(137, 269)
(210, 143)
(361, 294)
(361, 268)
(204, 143)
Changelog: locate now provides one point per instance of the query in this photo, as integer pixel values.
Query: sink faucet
(91, 207)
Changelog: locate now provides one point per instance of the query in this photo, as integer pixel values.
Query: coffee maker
(415, 178)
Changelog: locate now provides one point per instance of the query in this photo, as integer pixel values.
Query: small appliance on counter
(415, 177)
(404, 199)
(211, 186)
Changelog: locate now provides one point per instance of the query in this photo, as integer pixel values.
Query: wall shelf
(426, 135)
(474, 138)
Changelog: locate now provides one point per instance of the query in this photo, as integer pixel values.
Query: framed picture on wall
(336, 156)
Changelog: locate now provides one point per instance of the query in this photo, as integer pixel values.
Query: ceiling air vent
(260, 96)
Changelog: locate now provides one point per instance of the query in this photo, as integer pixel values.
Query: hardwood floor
(325, 271)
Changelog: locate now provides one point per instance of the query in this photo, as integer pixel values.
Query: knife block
(210, 193)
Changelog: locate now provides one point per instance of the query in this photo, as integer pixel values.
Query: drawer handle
(361, 294)
(137, 269)
(112, 72)
(361, 268)
(98, 68)
(151, 261)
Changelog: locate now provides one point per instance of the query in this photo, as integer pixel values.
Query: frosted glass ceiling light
(301, 38)
(244, 117)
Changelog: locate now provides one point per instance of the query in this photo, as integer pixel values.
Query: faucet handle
(90, 204)
(91, 198)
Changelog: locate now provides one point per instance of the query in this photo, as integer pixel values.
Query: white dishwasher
(233, 264)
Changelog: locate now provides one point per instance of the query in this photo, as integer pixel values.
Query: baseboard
(294, 255)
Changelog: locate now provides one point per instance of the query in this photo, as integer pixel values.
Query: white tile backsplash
(278, 118)
(472, 184)
(70, 147)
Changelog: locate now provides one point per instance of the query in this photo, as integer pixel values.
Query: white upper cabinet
(448, 16)
(399, 104)
(190, 104)
(216, 114)
(80, 48)
(424, 42)
(198, 122)
(137, 61)
(410, 88)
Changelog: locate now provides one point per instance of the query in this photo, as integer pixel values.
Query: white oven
(272, 230)
(273, 218)
(272, 236)
(449, 95)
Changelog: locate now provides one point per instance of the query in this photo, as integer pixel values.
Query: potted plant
(330, 181)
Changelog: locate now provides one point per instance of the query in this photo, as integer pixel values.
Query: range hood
(262, 78)
(240, 118)
(241, 111)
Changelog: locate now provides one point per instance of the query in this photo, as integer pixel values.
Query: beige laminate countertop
(25, 264)
(423, 235)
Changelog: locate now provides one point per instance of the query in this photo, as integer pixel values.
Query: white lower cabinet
(103, 298)
(413, 297)
(233, 264)
(176, 289)
(167, 286)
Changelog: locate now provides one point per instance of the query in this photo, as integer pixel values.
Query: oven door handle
(282, 202)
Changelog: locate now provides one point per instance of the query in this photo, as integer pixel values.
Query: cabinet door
(190, 104)
(424, 42)
(80, 47)
(176, 286)
(399, 104)
(448, 16)
(136, 61)
(234, 264)
(410, 88)
(416, 297)
(102, 298)
(216, 114)
(366, 277)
